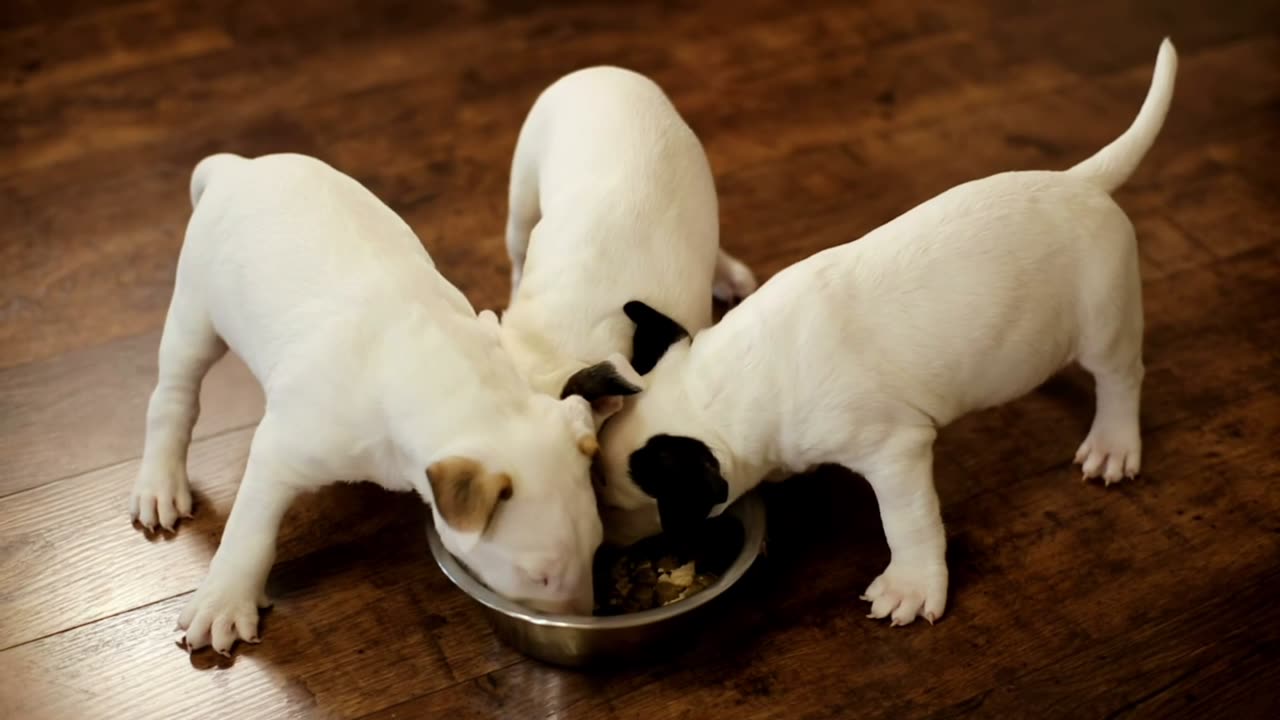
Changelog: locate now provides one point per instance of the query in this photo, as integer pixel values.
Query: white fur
(374, 368)
(859, 353)
(611, 200)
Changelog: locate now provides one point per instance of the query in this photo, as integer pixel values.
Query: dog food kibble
(659, 571)
(646, 584)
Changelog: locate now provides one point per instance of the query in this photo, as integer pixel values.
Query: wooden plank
(89, 45)
(70, 540)
(464, 191)
(22, 14)
(355, 628)
(87, 409)
(258, 78)
(103, 270)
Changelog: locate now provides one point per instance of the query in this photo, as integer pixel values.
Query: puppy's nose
(550, 574)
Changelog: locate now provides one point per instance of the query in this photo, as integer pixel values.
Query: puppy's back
(283, 247)
(608, 127)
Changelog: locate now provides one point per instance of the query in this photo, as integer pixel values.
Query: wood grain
(822, 120)
(332, 652)
(87, 409)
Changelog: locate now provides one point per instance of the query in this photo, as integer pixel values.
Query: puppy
(611, 202)
(858, 354)
(374, 368)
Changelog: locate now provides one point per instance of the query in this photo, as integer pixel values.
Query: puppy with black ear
(611, 201)
(858, 354)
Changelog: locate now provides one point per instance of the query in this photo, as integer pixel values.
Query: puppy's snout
(550, 574)
(578, 599)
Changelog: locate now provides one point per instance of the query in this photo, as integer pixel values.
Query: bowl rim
(750, 511)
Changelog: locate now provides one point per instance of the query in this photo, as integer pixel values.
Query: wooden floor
(1158, 598)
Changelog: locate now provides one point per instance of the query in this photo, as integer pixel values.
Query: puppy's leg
(1111, 350)
(188, 348)
(225, 607)
(915, 583)
(734, 281)
(523, 209)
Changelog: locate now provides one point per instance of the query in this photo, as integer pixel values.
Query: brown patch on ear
(588, 446)
(465, 494)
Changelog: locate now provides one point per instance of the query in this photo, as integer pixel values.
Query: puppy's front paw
(1110, 455)
(905, 591)
(161, 495)
(218, 614)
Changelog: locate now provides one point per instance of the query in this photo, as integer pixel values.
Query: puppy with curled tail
(858, 354)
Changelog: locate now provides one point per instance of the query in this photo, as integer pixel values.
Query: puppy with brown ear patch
(374, 368)
(611, 202)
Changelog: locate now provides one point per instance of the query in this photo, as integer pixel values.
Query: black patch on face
(683, 476)
(596, 382)
(655, 333)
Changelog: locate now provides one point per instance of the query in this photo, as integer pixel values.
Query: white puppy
(612, 205)
(374, 368)
(858, 354)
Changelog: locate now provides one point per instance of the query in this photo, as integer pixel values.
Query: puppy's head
(514, 501)
(655, 476)
(682, 475)
(658, 471)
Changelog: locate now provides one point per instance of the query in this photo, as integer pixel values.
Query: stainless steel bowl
(578, 641)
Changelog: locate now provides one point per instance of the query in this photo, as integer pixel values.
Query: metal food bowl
(587, 641)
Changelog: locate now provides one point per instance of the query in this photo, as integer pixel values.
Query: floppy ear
(604, 385)
(684, 477)
(655, 333)
(466, 496)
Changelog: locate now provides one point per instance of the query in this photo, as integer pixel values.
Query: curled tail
(1111, 166)
(205, 170)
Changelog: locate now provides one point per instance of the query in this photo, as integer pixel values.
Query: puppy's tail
(1111, 166)
(205, 170)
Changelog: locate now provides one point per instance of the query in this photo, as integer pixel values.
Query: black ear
(683, 476)
(655, 333)
(598, 381)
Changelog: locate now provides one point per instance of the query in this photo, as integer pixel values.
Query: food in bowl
(665, 569)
